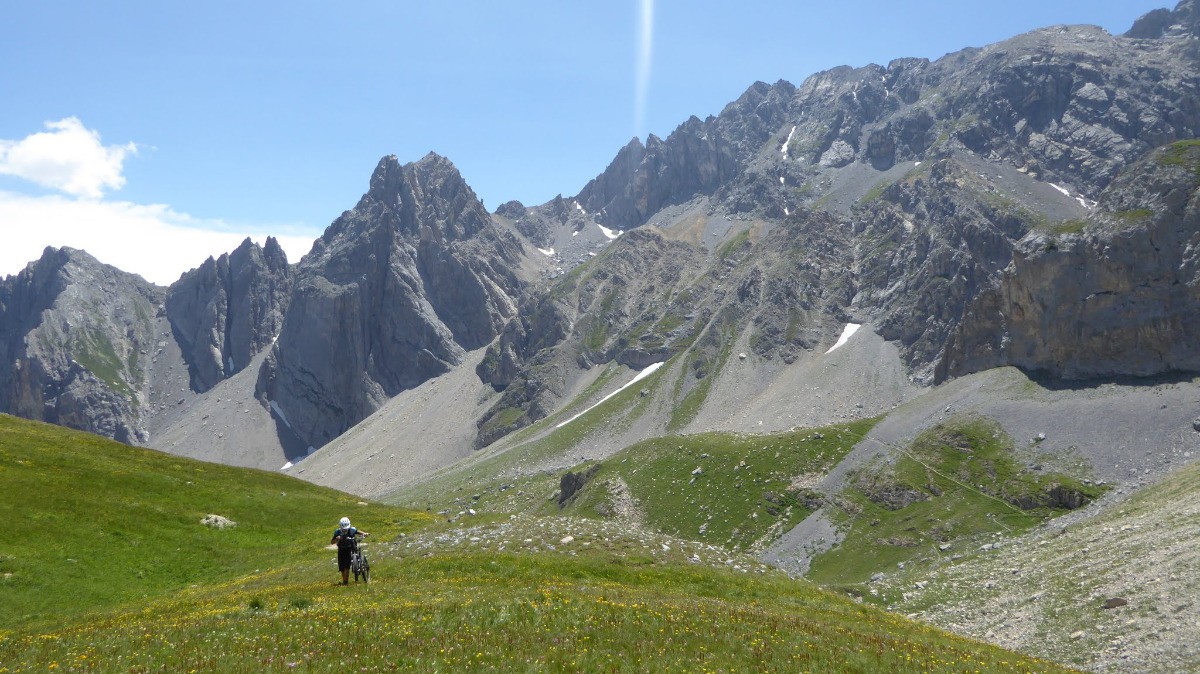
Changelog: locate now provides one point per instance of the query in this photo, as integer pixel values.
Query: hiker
(344, 537)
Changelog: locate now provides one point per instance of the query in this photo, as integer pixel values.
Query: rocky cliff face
(391, 295)
(696, 159)
(1119, 297)
(1067, 104)
(649, 298)
(946, 175)
(1184, 21)
(229, 309)
(75, 336)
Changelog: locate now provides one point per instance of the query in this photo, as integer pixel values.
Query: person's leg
(344, 565)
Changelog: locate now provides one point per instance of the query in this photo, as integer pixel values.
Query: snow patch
(547, 252)
(786, 212)
(282, 417)
(849, 330)
(286, 465)
(576, 233)
(780, 180)
(638, 377)
(1085, 203)
(1065, 192)
(916, 163)
(580, 208)
(783, 150)
(609, 233)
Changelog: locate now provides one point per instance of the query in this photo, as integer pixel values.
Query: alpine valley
(927, 334)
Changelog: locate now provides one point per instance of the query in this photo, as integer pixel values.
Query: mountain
(1026, 203)
(889, 313)
(100, 350)
(227, 310)
(76, 338)
(941, 176)
(394, 293)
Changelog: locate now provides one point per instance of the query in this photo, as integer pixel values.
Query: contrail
(645, 52)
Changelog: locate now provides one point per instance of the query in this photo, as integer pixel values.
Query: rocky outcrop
(1071, 104)
(1158, 23)
(227, 310)
(541, 323)
(648, 298)
(391, 295)
(74, 339)
(925, 250)
(1119, 298)
(615, 312)
(696, 159)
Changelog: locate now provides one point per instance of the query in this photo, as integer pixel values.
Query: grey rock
(393, 293)
(1118, 299)
(1183, 21)
(697, 158)
(72, 335)
(571, 483)
(840, 153)
(226, 311)
(217, 522)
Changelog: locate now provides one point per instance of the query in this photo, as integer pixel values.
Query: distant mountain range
(1032, 203)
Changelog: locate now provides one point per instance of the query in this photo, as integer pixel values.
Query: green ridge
(960, 481)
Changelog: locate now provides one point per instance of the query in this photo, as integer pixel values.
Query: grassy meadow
(118, 575)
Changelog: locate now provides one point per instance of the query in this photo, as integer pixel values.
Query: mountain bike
(358, 561)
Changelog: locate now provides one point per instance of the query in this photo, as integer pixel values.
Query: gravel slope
(416, 432)
(226, 424)
(862, 378)
(1044, 593)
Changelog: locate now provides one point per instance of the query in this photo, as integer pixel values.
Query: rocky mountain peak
(428, 198)
(229, 309)
(394, 293)
(273, 253)
(513, 210)
(74, 333)
(1183, 21)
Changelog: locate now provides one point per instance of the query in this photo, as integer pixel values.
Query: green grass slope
(512, 613)
(261, 597)
(956, 485)
(96, 525)
(748, 491)
(737, 491)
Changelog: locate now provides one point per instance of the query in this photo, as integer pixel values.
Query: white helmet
(345, 523)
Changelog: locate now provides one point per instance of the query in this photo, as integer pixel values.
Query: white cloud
(151, 240)
(68, 157)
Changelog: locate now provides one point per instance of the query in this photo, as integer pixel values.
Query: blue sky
(203, 122)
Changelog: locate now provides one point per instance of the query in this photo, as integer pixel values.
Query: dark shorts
(343, 559)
